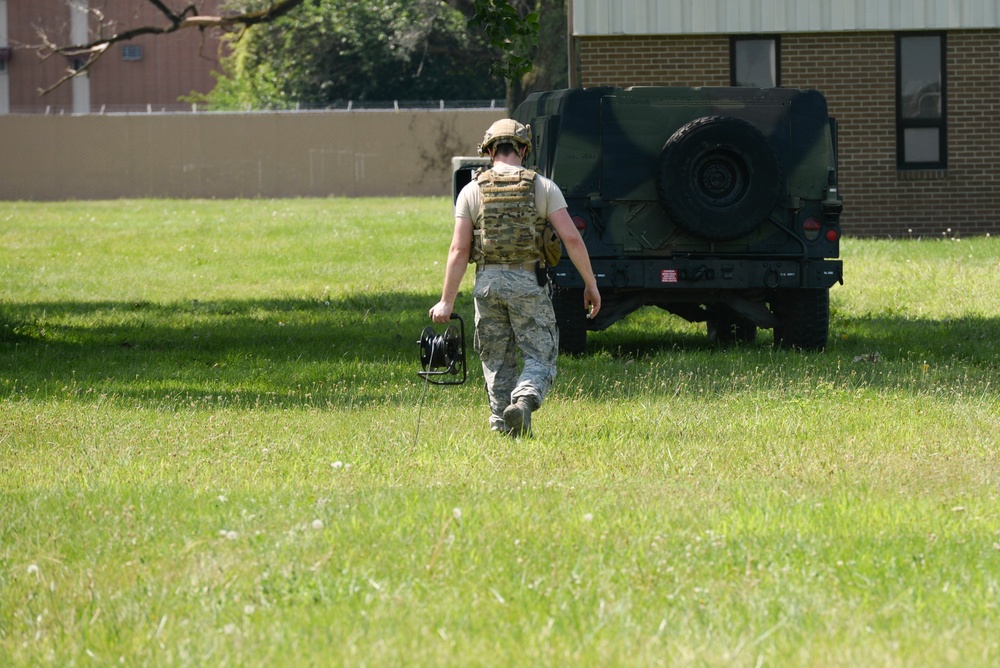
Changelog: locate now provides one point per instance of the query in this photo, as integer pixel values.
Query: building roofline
(708, 17)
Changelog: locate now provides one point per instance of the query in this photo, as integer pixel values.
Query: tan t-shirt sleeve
(469, 202)
(548, 197)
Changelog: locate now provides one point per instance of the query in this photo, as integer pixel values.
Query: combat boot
(517, 417)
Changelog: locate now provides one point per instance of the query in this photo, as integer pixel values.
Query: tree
(550, 66)
(529, 42)
(337, 50)
(389, 48)
(187, 17)
(508, 32)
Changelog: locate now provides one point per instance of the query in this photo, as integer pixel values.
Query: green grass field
(210, 455)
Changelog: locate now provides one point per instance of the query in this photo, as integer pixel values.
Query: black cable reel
(443, 355)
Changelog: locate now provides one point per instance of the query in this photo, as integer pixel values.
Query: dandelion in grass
(317, 524)
(588, 517)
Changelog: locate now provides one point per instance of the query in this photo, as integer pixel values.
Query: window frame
(904, 124)
(734, 39)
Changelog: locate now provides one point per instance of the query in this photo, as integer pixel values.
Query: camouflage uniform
(513, 312)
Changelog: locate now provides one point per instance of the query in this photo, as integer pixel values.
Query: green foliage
(328, 51)
(550, 64)
(514, 36)
(210, 455)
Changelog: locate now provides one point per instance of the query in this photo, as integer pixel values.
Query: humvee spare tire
(718, 177)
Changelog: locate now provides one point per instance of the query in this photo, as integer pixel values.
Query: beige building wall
(281, 154)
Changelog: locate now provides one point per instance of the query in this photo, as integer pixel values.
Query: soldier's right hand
(440, 312)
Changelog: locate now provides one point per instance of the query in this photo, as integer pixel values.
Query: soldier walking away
(500, 225)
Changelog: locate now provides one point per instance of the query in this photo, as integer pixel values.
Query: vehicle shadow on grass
(362, 350)
(971, 338)
(278, 351)
(886, 350)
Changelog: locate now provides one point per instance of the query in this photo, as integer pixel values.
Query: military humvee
(719, 205)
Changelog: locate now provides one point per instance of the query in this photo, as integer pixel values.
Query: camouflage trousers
(514, 314)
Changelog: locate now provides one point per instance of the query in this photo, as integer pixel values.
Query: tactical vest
(508, 231)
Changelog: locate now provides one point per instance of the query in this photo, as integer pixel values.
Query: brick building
(915, 87)
(150, 72)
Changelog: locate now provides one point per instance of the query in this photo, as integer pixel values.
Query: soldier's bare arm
(458, 260)
(577, 251)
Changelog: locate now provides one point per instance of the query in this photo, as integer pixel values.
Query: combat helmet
(506, 129)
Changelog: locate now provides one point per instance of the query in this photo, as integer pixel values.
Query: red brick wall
(28, 73)
(856, 72)
(654, 61)
(172, 65)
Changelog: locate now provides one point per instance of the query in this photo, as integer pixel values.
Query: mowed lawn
(215, 450)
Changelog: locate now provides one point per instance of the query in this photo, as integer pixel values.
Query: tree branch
(186, 18)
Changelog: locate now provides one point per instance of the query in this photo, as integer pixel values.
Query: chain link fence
(343, 105)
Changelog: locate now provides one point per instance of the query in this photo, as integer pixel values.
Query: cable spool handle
(443, 354)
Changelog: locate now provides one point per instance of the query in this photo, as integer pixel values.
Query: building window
(754, 61)
(131, 52)
(921, 117)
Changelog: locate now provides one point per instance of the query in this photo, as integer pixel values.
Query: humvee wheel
(805, 318)
(571, 319)
(718, 177)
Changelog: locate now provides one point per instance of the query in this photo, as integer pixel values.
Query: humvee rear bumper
(704, 274)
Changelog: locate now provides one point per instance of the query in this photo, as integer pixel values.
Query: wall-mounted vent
(131, 52)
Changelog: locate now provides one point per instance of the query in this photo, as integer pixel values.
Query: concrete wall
(306, 154)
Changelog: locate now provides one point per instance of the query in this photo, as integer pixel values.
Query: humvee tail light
(811, 227)
(580, 222)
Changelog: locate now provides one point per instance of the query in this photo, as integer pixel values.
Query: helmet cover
(506, 130)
